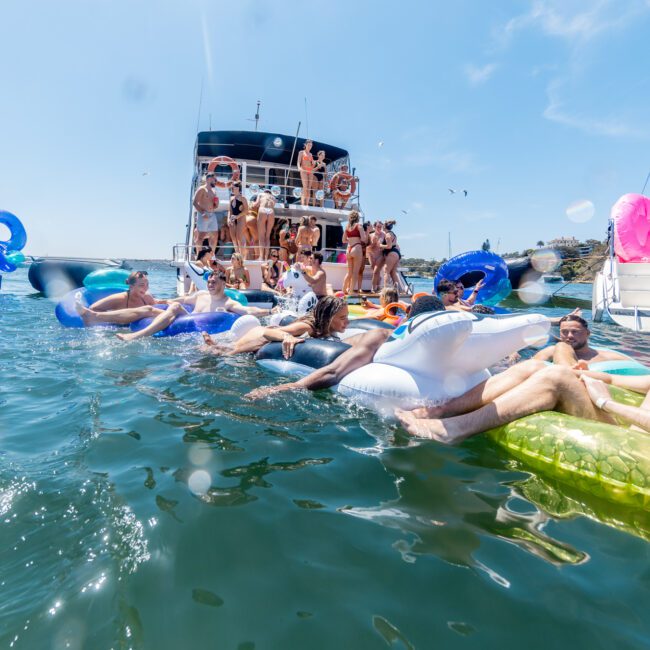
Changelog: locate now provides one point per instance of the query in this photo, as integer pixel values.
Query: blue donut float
(10, 255)
(212, 323)
(66, 313)
(473, 266)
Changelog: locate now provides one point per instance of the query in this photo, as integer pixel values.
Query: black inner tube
(314, 353)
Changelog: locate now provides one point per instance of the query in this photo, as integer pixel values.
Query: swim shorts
(207, 222)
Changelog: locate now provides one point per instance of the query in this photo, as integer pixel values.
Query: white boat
(268, 161)
(621, 291)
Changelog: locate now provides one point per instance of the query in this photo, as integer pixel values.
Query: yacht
(268, 161)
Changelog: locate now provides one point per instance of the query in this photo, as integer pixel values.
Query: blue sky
(530, 106)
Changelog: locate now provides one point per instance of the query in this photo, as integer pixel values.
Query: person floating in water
(328, 318)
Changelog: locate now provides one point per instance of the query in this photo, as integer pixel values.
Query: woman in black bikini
(237, 218)
(354, 236)
(320, 169)
(391, 254)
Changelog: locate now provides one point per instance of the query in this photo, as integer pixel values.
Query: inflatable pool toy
(10, 255)
(393, 313)
(243, 325)
(57, 277)
(107, 278)
(307, 303)
(631, 216)
(609, 461)
(66, 313)
(212, 323)
(473, 266)
(434, 357)
(294, 279)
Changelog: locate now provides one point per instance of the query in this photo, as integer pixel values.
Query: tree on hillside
(540, 243)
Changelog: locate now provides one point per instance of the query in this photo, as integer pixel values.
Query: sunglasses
(274, 257)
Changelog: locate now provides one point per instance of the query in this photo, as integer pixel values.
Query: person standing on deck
(205, 203)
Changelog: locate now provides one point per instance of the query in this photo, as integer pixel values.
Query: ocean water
(144, 504)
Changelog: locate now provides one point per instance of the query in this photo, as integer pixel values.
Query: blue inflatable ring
(211, 322)
(16, 241)
(473, 266)
(67, 315)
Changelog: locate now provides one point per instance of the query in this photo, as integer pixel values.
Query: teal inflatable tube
(106, 278)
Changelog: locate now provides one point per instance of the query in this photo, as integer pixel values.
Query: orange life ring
(345, 176)
(415, 296)
(225, 160)
(390, 313)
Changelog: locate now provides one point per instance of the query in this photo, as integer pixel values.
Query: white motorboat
(621, 290)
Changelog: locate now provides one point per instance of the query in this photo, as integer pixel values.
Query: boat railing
(182, 253)
(287, 188)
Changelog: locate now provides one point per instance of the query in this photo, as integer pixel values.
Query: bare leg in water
(160, 322)
(553, 388)
(116, 316)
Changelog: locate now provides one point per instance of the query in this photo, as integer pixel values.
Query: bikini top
(306, 156)
(354, 232)
(236, 205)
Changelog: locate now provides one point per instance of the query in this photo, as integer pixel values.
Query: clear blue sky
(530, 106)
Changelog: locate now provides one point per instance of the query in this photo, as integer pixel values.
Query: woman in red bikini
(306, 168)
(354, 236)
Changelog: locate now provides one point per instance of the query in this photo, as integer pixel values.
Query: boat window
(255, 175)
(334, 236)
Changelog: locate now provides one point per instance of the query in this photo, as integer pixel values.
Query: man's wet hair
(482, 309)
(424, 305)
(445, 286)
(575, 318)
(318, 256)
(218, 274)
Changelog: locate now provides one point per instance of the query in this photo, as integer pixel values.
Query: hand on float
(479, 285)
(596, 390)
(288, 344)
(266, 391)
(207, 339)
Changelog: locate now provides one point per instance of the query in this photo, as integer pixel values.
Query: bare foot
(127, 337)
(83, 311)
(207, 339)
(265, 391)
(424, 428)
(429, 412)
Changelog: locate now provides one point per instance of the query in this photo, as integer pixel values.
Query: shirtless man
(264, 205)
(361, 352)
(574, 332)
(448, 292)
(205, 203)
(124, 307)
(314, 232)
(212, 300)
(315, 276)
(526, 388)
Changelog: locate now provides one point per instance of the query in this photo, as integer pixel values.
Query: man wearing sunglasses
(204, 302)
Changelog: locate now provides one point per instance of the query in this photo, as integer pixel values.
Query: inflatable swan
(431, 358)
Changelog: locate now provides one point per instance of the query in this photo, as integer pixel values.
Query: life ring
(10, 256)
(473, 266)
(352, 187)
(390, 312)
(420, 294)
(225, 160)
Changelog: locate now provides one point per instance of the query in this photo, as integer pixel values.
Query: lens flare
(535, 336)
(277, 143)
(580, 211)
(199, 482)
(533, 293)
(199, 454)
(545, 261)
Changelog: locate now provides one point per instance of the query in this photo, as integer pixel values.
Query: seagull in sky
(451, 191)
(145, 173)
(465, 192)
(380, 144)
(405, 211)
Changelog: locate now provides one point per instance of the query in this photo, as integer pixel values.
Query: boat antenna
(306, 118)
(449, 242)
(198, 117)
(295, 140)
(256, 119)
(646, 182)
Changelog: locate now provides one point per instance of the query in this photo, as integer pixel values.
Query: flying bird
(451, 191)
(405, 211)
(145, 173)
(380, 144)
(465, 192)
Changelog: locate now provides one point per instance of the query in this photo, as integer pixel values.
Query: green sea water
(144, 504)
